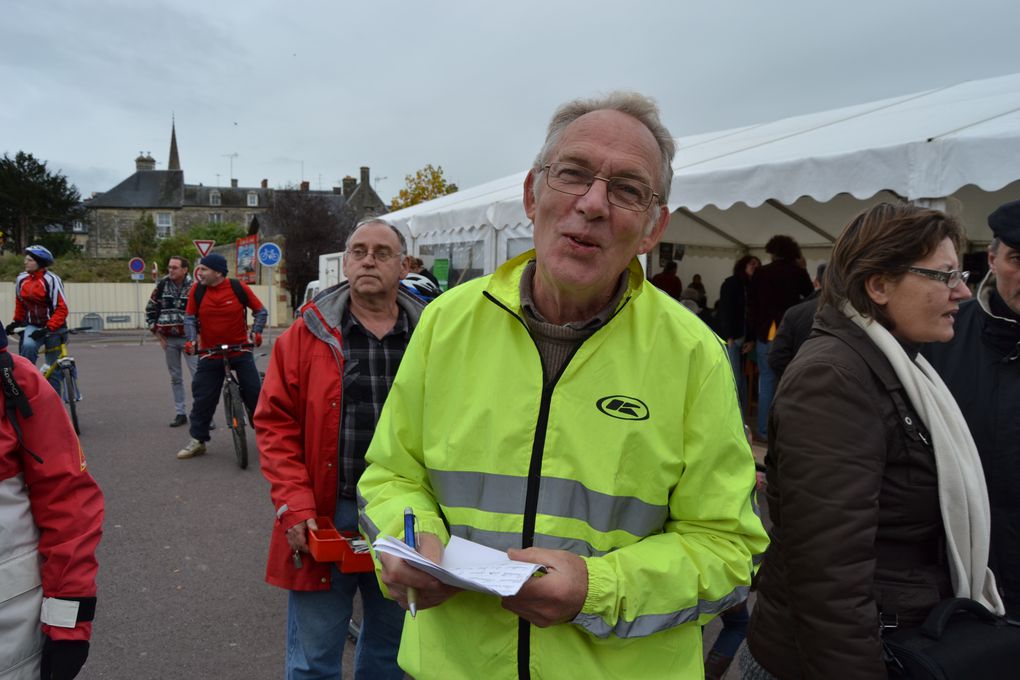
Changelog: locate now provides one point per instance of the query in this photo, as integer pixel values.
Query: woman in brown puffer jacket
(863, 532)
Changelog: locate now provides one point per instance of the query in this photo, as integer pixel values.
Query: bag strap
(235, 286)
(15, 401)
(935, 625)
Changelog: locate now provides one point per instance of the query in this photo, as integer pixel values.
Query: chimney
(144, 162)
(233, 183)
(349, 185)
(265, 184)
(364, 176)
(304, 185)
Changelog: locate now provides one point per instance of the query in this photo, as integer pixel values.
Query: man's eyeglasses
(380, 254)
(576, 180)
(951, 279)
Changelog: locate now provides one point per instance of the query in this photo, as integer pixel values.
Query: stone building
(176, 206)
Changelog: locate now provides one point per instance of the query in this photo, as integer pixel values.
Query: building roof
(144, 189)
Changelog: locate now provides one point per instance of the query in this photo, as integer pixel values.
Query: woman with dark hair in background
(878, 503)
(732, 319)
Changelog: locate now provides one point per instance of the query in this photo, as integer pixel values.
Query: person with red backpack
(51, 517)
(216, 315)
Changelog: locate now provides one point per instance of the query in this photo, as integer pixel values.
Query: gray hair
(636, 105)
(376, 220)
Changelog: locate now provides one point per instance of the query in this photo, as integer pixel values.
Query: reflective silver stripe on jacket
(504, 540)
(557, 497)
(653, 623)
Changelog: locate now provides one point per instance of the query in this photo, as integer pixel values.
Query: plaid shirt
(369, 368)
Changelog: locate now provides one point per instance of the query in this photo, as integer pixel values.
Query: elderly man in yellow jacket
(565, 410)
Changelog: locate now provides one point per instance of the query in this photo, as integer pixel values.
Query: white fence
(118, 306)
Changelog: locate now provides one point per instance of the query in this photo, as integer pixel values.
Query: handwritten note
(467, 565)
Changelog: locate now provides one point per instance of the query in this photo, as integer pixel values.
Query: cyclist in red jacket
(39, 306)
(51, 515)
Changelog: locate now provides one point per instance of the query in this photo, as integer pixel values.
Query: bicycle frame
(233, 405)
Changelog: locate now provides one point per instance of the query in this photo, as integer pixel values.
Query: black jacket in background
(793, 331)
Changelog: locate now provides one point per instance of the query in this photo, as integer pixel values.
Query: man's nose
(595, 203)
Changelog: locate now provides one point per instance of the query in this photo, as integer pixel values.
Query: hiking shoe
(179, 420)
(191, 449)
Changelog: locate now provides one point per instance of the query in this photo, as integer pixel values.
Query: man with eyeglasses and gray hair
(328, 377)
(981, 367)
(568, 412)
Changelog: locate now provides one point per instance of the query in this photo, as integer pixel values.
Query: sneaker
(191, 449)
(179, 420)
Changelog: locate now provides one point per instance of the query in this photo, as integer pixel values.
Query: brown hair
(885, 239)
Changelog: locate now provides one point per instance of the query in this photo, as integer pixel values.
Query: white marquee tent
(956, 147)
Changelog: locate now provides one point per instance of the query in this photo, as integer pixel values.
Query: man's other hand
(297, 537)
(39, 334)
(256, 338)
(398, 576)
(189, 347)
(555, 597)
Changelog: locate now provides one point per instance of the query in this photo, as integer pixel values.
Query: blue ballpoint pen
(409, 539)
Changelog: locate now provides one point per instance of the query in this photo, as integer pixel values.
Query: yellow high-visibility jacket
(634, 458)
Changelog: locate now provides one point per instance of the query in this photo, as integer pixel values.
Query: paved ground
(183, 554)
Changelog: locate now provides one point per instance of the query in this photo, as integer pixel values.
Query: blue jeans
(766, 386)
(317, 623)
(29, 349)
(737, 363)
(734, 630)
(174, 351)
(207, 383)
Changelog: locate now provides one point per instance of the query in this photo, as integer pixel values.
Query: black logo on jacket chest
(623, 407)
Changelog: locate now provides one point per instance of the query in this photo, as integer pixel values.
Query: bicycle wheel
(234, 408)
(70, 386)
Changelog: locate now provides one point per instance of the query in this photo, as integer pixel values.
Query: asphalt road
(181, 590)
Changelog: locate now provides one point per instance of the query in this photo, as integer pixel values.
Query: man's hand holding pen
(398, 576)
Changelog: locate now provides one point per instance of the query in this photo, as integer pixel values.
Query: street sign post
(137, 266)
(269, 255)
(204, 246)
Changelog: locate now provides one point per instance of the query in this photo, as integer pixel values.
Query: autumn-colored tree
(424, 185)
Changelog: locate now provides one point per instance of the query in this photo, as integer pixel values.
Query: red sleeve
(189, 309)
(19, 307)
(67, 504)
(278, 431)
(253, 301)
(59, 315)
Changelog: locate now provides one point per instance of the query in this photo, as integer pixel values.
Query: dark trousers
(208, 383)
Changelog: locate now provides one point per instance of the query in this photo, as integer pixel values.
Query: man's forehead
(628, 140)
(375, 232)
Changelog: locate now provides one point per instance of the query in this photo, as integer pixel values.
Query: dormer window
(214, 197)
(253, 199)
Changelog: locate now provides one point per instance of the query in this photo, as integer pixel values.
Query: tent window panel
(518, 246)
(466, 259)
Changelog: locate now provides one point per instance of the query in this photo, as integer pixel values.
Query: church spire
(175, 159)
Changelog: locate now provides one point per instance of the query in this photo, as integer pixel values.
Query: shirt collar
(597, 321)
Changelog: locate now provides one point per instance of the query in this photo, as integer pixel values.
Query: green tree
(181, 242)
(32, 197)
(424, 185)
(141, 239)
(59, 243)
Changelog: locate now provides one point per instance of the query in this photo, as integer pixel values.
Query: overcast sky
(314, 89)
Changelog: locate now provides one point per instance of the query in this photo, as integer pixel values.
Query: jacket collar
(984, 298)
(505, 283)
(831, 321)
(323, 314)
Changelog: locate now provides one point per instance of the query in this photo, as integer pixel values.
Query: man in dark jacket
(795, 328)
(774, 288)
(164, 314)
(981, 366)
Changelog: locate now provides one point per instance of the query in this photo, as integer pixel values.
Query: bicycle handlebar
(223, 349)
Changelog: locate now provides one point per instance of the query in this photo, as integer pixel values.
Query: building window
(214, 197)
(78, 227)
(253, 199)
(164, 224)
(215, 218)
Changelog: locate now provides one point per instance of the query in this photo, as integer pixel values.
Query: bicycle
(233, 405)
(68, 376)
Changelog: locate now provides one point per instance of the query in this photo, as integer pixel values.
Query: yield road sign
(136, 265)
(204, 246)
(270, 254)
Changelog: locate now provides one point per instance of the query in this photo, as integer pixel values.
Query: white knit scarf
(963, 495)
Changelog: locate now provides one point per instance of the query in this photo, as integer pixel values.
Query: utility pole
(231, 156)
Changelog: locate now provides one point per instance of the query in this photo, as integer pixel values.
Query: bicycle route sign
(136, 265)
(270, 254)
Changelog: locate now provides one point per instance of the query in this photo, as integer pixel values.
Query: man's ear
(529, 195)
(658, 228)
(879, 288)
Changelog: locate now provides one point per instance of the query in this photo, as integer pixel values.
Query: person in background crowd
(667, 281)
(731, 319)
(417, 266)
(545, 410)
(40, 307)
(774, 288)
(327, 381)
(981, 366)
(51, 521)
(795, 328)
(164, 315)
(216, 315)
(697, 285)
(878, 505)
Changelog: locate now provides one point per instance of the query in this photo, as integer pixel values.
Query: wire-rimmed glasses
(577, 180)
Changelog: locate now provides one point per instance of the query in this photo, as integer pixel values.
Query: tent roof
(931, 144)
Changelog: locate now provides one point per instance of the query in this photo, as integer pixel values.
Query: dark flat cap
(1005, 223)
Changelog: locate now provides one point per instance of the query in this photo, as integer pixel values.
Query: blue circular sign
(270, 254)
(137, 265)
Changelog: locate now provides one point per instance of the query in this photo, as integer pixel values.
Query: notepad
(467, 565)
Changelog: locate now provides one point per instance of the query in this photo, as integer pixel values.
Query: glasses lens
(569, 178)
(629, 193)
(956, 277)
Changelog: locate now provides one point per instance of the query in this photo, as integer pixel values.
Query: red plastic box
(329, 545)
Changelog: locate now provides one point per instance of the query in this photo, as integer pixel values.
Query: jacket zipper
(535, 475)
